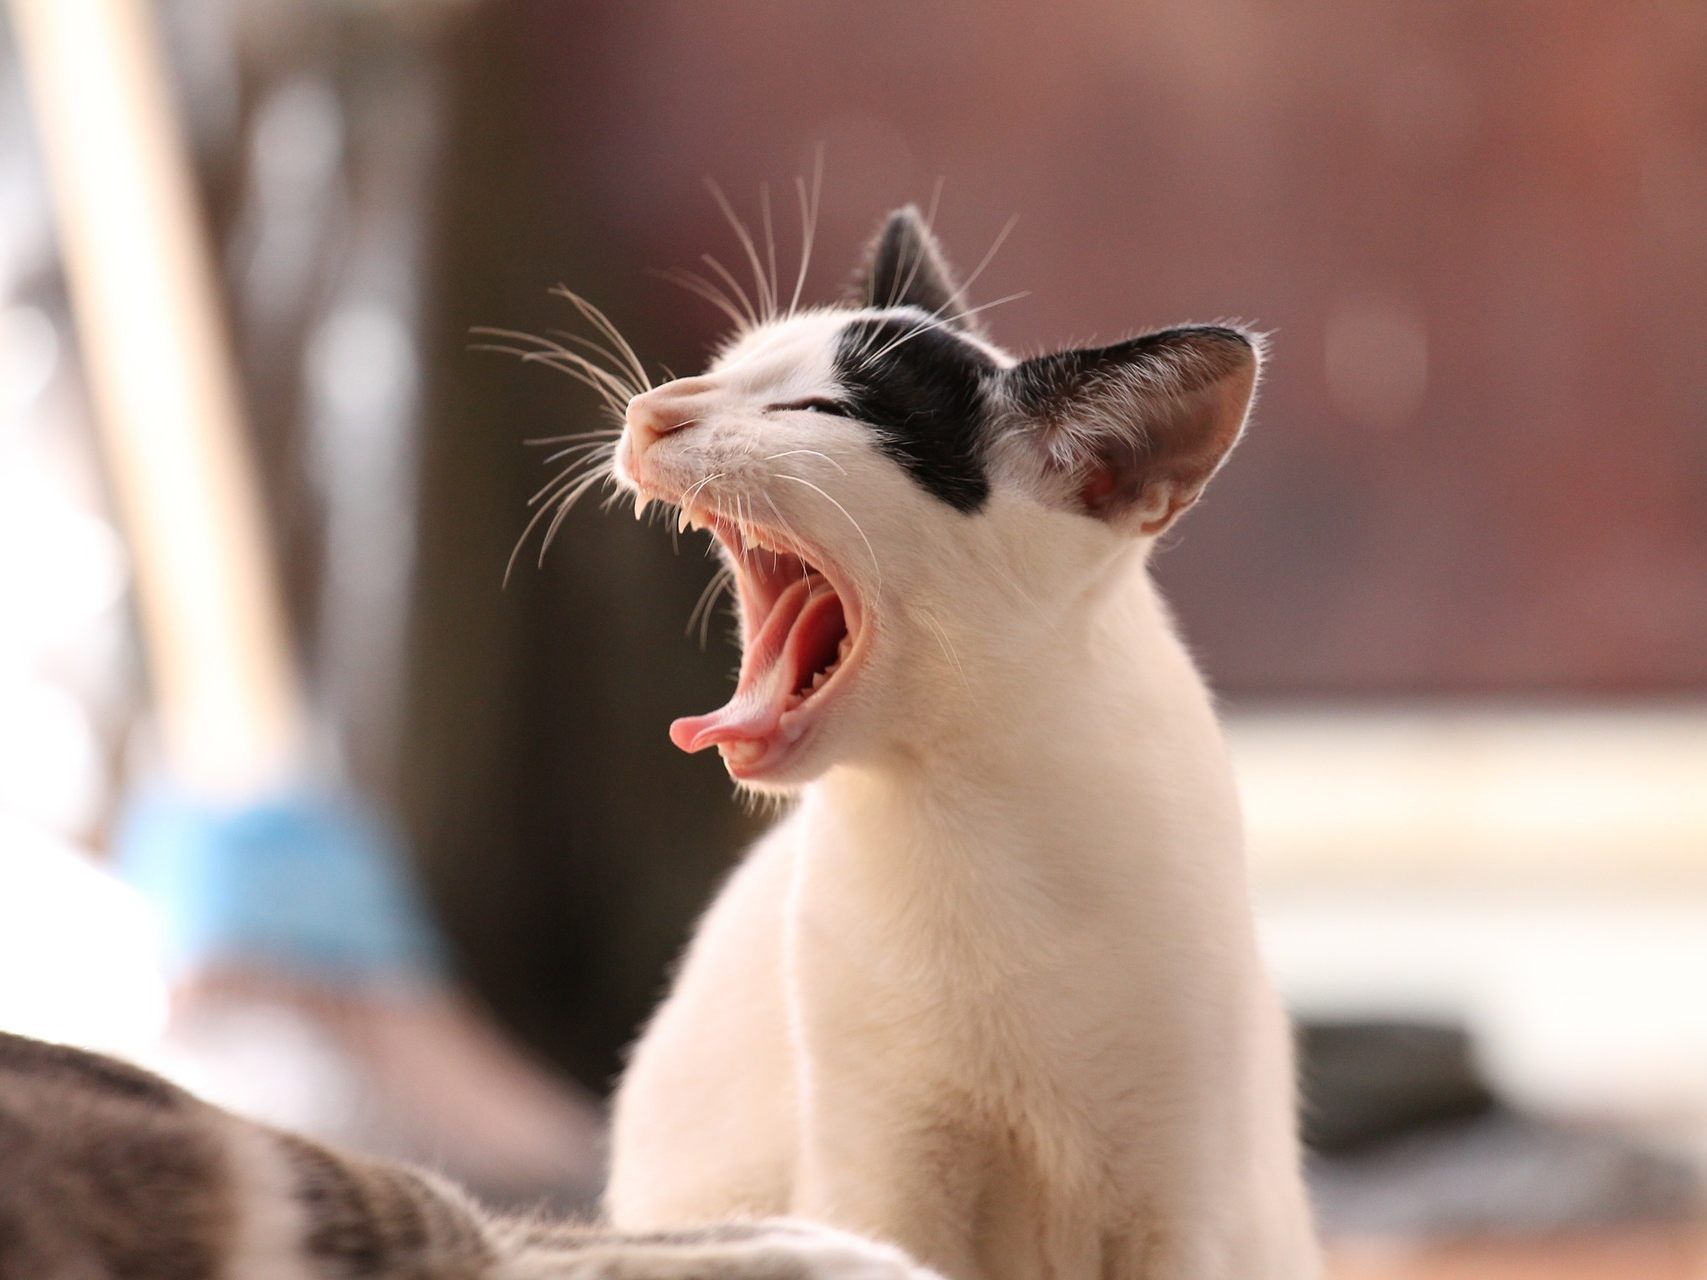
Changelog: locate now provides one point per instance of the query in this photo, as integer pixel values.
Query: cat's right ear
(905, 267)
(1131, 433)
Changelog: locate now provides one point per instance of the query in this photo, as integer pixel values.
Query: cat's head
(915, 519)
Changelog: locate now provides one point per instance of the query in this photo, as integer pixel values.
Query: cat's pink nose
(655, 413)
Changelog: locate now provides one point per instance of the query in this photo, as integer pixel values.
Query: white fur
(991, 991)
(777, 1250)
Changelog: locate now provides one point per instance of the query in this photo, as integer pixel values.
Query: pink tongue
(770, 672)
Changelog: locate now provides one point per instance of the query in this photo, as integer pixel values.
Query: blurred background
(1452, 590)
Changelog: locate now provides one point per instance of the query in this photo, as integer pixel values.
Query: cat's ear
(1131, 433)
(905, 267)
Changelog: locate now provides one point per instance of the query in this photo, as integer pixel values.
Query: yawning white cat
(991, 990)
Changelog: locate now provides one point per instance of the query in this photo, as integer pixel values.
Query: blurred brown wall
(1479, 464)
(1474, 230)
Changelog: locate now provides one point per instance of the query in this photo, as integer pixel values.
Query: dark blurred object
(1500, 1175)
(1365, 1082)
(1408, 1141)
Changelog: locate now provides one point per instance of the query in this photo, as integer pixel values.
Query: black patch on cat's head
(924, 389)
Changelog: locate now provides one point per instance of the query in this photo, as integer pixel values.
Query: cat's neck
(1108, 730)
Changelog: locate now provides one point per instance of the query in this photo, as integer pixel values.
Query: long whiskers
(613, 386)
(765, 287)
(567, 504)
(597, 455)
(606, 364)
(617, 373)
(566, 490)
(603, 324)
(699, 286)
(609, 442)
(751, 311)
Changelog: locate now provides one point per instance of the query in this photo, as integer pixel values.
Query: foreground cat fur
(110, 1173)
(991, 990)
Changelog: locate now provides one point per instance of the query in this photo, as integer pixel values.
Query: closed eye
(815, 404)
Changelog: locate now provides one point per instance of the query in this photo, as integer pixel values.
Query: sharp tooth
(683, 520)
(640, 501)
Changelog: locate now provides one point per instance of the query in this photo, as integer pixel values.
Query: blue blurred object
(306, 882)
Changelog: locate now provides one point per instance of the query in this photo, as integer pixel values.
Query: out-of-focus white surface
(1537, 799)
(79, 955)
(1538, 876)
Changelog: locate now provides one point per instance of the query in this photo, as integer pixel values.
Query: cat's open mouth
(800, 626)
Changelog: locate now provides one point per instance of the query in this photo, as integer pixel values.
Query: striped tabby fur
(110, 1173)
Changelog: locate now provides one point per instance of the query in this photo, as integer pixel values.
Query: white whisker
(808, 223)
(569, 451)
(989, 257)
(788, 535)
(930, 620)
(696, 486)
(770, 242)
(789, 453)
(611, 433)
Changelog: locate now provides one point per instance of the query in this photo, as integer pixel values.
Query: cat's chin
(804, 641)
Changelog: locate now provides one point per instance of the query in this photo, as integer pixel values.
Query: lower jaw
(757, 761)
(769, 758)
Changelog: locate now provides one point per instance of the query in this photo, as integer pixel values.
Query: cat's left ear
(906, 267)
(1131, 433)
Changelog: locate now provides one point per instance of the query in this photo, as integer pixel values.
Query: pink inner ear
(1097, 489)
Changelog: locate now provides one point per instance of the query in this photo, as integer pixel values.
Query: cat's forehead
(813, 345)
(917, 382)
(802, 344)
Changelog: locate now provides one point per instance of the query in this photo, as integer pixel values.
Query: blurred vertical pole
(143, 287)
